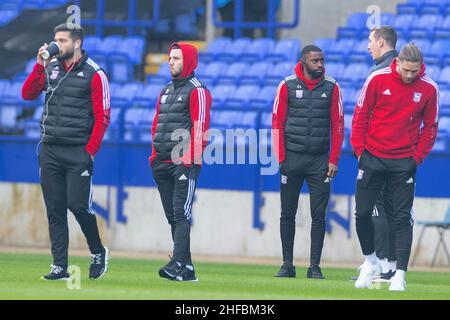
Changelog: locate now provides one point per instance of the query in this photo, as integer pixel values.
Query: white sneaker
(397, 284)
(367, 272)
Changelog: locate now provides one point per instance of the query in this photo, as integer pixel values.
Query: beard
(315, 74)
(66, 56)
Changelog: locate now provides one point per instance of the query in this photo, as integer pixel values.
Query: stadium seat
(287, 50)
(444, 77)
(334, 69)
(340, 50)
(215, 47)
(232, 74)
(221, 93)
(8, 116)
(256, 74)
(442, 31)
(264, 99)
(111, 44)
(213, 71)
(403, 24)
(138, 45)
(147, 95)
(355, 72)
(234, 50)
(360, 53)
(241, 97)
(257, 50)
(324, 44)
(120, 67)
(91, 43)
(424, 25)
(101, 59)
(278, 73)
(355, 24)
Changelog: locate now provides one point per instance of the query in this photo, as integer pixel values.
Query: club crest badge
(299, 94)
(417, 96)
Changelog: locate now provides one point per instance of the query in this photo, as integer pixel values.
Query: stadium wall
(222, 224)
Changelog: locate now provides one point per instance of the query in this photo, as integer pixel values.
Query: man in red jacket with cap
(307, 108)
(390, 143)
(181, 121)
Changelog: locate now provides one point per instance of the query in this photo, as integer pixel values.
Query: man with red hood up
(180, 124)
(307, 108)
(394, 128)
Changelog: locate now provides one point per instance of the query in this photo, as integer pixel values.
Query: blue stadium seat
(408, 8)
(442, 141)
(241, 97)
(424, 25)
(256, 74)
(403, 24)
(264, 99)
(278, 73)
(436, 51)
(355, 24)
(324, 44)
(233, 74)
(334, 69)
(340, 49)
(350, 96)
(257, 50)
(222, 93)
(213, 71)
(233, 51)
(12, 93)
(443, 30)
(287, 50)
(111, 44)
(4, 85)
(137, 43)
(8, 116)
(444, 77)
(215, 47)
(266, 120)
(435, 7)
(423, 44)
(120, 67)
(433, 71)
(444, 103)
(32, 127)
(355, 72)
(147, 95)
(7, 16)
(360, 52)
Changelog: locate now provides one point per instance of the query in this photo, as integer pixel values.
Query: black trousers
(399, 175)
(294, 170)
(176, 185)
(384, 232)
(66, 180)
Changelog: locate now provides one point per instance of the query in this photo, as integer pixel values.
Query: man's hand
(92, 157)
(40, 60)
(332, 170)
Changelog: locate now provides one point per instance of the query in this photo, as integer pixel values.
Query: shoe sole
(106, 264)
(166, 275)
(61, 279)
(181, 279)
(381, 280)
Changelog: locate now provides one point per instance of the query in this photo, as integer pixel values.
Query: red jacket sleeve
(200, 106)
(34, 84)
(154, 124)
(361, 116)
(427, 136)
(336, 125)
(101, 108)
(279, 115)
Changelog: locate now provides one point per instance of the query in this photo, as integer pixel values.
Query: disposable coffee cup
(52, 49)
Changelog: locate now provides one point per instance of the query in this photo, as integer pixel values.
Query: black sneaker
(287, 270)
(385, 277)
(99, 264)
(314, 272)
(57, 273)
(186, 273)
(170, 270)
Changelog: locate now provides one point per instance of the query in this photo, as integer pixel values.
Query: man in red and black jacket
(389, 142)
(178, 140)
(74, 120)
(307, 108)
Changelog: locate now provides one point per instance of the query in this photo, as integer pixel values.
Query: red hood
(309, 83)
(397, 75)
(190, 58)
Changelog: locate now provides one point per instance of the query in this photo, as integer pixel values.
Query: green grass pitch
(138, 279)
